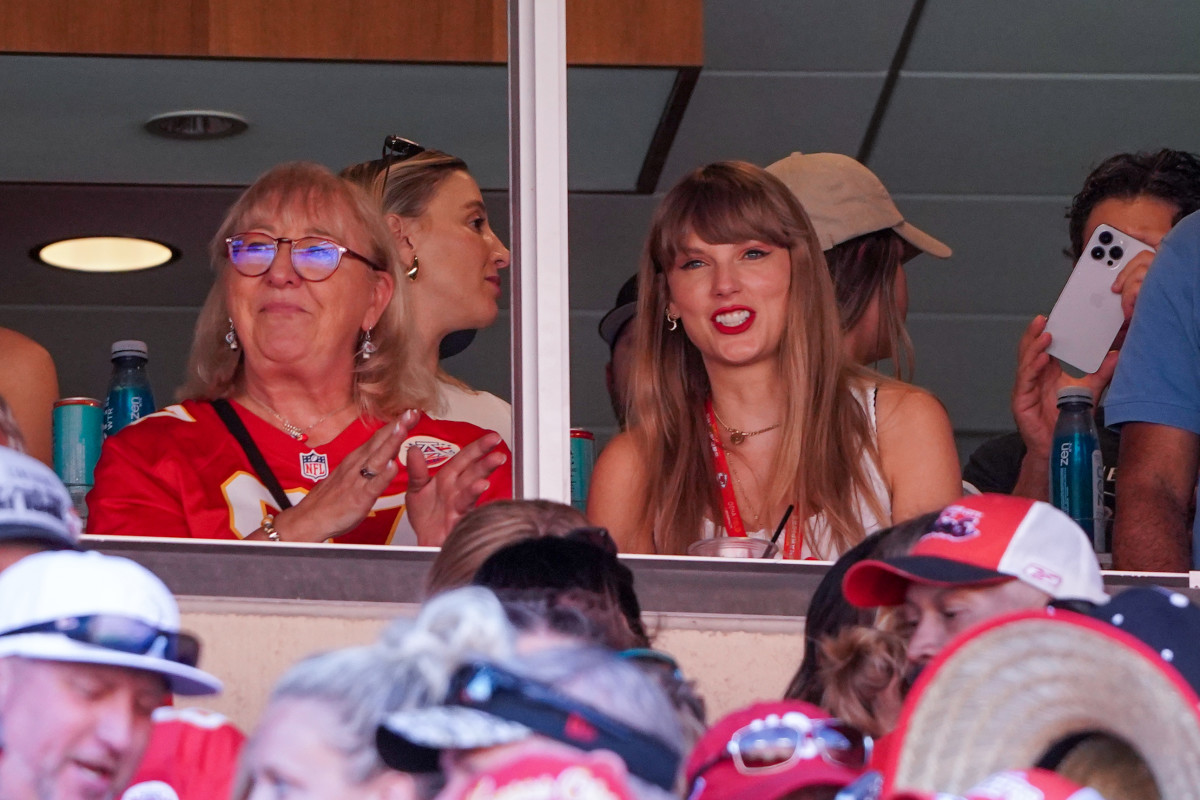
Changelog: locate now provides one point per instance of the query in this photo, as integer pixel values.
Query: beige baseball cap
(844, 199)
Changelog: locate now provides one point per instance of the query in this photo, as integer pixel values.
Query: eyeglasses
(504, 694)
(658, 658)
(123, 634)
(776, 743)
(314, 258)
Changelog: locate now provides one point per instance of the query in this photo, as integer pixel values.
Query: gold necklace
(736, 436)
(292, 429)
(746, 495)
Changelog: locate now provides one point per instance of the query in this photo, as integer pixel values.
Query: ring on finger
(368, 473)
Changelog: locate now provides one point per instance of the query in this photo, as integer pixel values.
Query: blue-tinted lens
(251, 255)
(766, 748)
(121, 633)
(315, 259)
(843, 746)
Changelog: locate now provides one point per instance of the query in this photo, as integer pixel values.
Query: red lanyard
(729, 507)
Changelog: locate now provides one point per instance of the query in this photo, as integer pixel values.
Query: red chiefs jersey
(193, 755)
(179, 472)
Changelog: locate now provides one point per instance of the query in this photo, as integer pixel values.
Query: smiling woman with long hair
(743, 403)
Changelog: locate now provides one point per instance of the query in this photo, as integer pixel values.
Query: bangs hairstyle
(825, 432)
(384, 386)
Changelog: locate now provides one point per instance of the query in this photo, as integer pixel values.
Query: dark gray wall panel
(1033, 136)
(1059, 36)
(1008, 254)
(814, 35)
(762, 118)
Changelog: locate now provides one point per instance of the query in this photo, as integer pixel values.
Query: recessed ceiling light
(105, 254)
(196, 125)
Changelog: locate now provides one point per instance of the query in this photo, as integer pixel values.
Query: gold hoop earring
(673, 319)
(414, 269)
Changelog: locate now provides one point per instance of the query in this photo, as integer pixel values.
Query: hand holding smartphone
(1088, 315)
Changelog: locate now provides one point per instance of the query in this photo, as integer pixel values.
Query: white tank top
(821, 547)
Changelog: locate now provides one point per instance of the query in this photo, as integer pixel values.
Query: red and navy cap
(987, 539)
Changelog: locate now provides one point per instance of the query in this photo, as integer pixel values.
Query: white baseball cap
(70, 591)
(34, 504)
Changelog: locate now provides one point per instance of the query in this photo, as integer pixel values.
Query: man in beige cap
(866, 242)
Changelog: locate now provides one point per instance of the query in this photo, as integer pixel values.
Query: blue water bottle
(1076, 471)
(129, 395)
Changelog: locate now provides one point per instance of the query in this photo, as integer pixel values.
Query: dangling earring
(231, 336)
(673, 319)
(413, 270)
(368, 347)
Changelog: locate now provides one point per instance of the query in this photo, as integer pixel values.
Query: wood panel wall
(599, 32)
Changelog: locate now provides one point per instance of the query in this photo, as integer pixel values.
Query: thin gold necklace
(292, 429)
(745, 495)
(736, 436)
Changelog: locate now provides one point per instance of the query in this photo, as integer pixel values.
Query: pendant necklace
(290, 428)
(736, 436)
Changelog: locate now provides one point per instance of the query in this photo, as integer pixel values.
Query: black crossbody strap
(234, 423)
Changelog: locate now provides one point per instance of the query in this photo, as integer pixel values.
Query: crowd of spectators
(962, 643)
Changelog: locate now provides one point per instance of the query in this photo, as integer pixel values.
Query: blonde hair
(384, 386)
(856, 667)
(826, 440)
(486, 529)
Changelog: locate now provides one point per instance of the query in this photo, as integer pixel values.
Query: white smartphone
(1087, 315)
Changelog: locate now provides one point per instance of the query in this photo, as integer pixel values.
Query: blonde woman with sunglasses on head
(451, 259)
(300, 421)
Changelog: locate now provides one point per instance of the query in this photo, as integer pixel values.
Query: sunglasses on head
(123, 634)
(313, 257)
(503, 694)
(778, 742)
(395, 150)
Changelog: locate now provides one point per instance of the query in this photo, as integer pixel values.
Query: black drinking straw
(786, 515)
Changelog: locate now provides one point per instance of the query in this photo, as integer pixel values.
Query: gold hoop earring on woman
(412, 271)
(673, 319)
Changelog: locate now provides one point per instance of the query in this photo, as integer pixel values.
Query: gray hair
(409, 667)
(597, 678)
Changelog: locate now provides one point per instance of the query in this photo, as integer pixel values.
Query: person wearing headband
(90, 645)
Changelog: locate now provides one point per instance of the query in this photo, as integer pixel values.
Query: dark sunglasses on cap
(778, 742)
(503, 694)
(123, 634)
(313, 257)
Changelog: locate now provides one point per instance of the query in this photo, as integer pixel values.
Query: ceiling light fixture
(196, 125)
(105, 254)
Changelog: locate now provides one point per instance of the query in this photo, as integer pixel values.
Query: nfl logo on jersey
(314, 465)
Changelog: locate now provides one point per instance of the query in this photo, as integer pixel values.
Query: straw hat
(1009, 694)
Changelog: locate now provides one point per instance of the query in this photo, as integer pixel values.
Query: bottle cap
(130, 347)
(1075, 394)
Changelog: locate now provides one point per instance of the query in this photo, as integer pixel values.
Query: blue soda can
(129, 395)
(583, 457)
(77, 445)
(1076, 470)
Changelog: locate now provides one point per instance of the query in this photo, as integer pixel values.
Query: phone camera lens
(1115, 253)
(1105, 237)
(1097, 253)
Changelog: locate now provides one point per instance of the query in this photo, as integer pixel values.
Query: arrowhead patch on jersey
(436, 451)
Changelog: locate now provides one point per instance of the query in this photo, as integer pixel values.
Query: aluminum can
(583, 458)
(77, 439)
